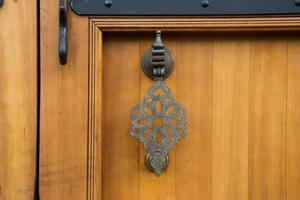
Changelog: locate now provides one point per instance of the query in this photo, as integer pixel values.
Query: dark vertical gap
(37, 165)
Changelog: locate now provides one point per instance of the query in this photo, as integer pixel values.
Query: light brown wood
(233, 104)
(94, 172)
(64, 108)
(194, 72)
(239, 90)
(120, 152)
(268, 94)
(18, 99)
(231, 61)
(253, 23)
(293, 120)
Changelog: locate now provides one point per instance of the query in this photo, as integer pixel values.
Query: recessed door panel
(235, 89)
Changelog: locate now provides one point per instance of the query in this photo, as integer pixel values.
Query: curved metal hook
(63, 32)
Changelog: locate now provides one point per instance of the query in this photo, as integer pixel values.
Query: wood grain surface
(18, 99)
(235, 87)
(240, 88)
(64, 108)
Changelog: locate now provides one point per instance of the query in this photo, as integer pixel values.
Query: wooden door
(18, 99)
(238, 79)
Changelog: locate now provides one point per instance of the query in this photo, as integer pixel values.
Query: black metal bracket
(184, 7)
(1, 3)
(166, 8)
(63, 32)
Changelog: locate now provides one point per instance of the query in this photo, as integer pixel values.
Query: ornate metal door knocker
(158, 121)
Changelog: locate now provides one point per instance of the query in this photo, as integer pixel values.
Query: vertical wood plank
(194, 64)
(18, 99)
(120, 92)
(293, 120)
(268, 117)
(230, 117)
(150, 186)
(64, 108)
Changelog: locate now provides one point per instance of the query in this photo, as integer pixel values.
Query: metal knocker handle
(63, 32)
(158, 62)
(158, 121)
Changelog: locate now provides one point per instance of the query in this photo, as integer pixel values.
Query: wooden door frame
(99, 25)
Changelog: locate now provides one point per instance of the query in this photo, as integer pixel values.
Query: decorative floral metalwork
(158, 122)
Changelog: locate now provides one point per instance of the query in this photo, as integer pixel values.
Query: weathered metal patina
(158, 121)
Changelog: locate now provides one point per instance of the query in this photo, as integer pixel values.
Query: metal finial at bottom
(157, 162)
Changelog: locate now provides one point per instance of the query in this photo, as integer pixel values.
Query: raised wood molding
(94, 115)
(105, 24)
(198, 24)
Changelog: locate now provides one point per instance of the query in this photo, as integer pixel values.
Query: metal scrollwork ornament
(158, 121)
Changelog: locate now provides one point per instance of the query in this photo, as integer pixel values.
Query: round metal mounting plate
(147, 60)
(156, 162)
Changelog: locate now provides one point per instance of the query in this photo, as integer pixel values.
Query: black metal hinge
(167, 8)
(184, 7)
